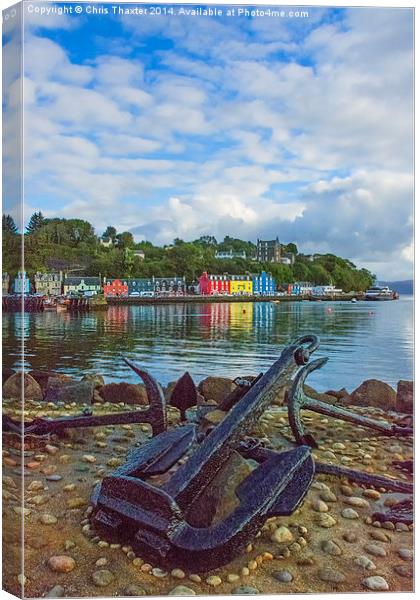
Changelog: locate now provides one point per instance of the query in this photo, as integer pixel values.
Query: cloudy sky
(180, 126)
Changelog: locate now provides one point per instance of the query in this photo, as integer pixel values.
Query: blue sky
(176, 126)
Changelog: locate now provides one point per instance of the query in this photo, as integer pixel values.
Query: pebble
(232, 577)
(76, 502)
(349, 513)
(101, 562)
(375, 549)
(53, 477)
(346, 490)
(21, 510)
(89, 458)
(326, 520)
(102, 578)
(403, 570)
(282, 535)
(35, 486)
(252, 565)
(245, 590)
(376, 583)
(159, 573)
(331, 547)
(401, 527)
(405, 553)
(135, 590)
(196, 578)
(138, 562)
(56, 592)
(329, 455)
(283, 576)
(331, 575)
(320, 506)
(245, 570)
(178, 573)
(338, 446)
(180, 590)
(328, 496)
(47, 519)
(380, 536)
(62, 563)
(388, 525)
(365, 562)
(350, 536)
(213, 580)
(69, 487)
(51, 449)
(356, 501)
(372, 494)
(146, 568)
(69, 544)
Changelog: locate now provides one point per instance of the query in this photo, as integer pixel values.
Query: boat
(353, 300)
(380, 293)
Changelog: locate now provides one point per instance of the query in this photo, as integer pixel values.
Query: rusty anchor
(298, 400)
(154, 519)
(155, 414)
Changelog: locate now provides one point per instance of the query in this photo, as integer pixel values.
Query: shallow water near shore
(362, 340)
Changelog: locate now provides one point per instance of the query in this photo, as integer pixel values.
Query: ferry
(380, 293)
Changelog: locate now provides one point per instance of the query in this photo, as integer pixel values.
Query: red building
(213, 284)
(116, 287)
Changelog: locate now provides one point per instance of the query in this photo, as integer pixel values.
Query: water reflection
(362, 340)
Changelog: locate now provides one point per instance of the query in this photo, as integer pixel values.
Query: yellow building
(240, 285)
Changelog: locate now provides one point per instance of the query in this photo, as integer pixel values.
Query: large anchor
(298, 400)
(155, 414)
(154, 520)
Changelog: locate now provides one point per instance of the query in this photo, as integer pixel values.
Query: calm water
(363, 340)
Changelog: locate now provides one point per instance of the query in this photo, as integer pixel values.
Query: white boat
(380, 293)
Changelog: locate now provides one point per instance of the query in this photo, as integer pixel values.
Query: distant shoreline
(211, 299)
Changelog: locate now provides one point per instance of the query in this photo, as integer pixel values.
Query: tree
(110, 233)
(8, 225)
(292, 248)
(125, 240)
(36, 221)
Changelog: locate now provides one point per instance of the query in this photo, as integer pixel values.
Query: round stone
(372, 494)
(331, 547)
(159, 573)
(245, 590)
(405, 553)
(328, 496)
(331, 575)
(54, 477)
(365, 562)
(282, 535)
(376, 583)
(350, 536)
(101, 562)
(356, 501)
(56, 592)
(380, 536)
(404, 570)
(283, 576)
(62, 563)
(178, 573)
(47, 519)
(320, 506)
(102, 578)
(213, 580)
(134, 590)
(375, 549)
(325, 520)
(181, 590)
(349, 513)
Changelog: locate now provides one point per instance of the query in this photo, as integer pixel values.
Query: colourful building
(264, 284)
(5, 283)
(240, 285)
(169, 286)
(140, 286)
(48, 284)
(21, 284)
(114, 288)
(210, 285)
(86, 286)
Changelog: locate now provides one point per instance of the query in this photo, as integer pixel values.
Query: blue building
(21, 284)
(264, 284)
(140, 286)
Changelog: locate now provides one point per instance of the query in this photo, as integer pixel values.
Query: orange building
(115, 287)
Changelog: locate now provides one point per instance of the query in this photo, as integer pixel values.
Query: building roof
(78, 280)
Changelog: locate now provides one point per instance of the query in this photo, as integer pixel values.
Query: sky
(254, 127)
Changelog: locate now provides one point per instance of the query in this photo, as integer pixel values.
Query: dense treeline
(71, 245)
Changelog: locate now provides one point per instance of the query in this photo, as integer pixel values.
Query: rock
(325, 520)
(13, 387)
(349, 513)
(323, 397)
(282, 535)
(380, 536)
(375, 549)
(35, 486)
(283, 576)
(102, 578)
(372, 494)
(42, 377)
(373, 392)
(62, 563)
(56, 592)
(80, 392)
(404, 570)
(365, 562)
(320, 506)
(159, 573)
(331, 575)
(350, 537)
(245, 590)
(405, 397)
(376, 583)
(178, 573)
(213, 580)
(405, 553)
(331, 547)
(181, 590)
(135, 590)
(76, 502)
(341, 395)
(328, 496)
(355, 501)
(97, 380)
(216, 388)
(47, 519)
(129, 393)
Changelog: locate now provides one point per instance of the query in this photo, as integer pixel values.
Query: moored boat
(381, 293)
